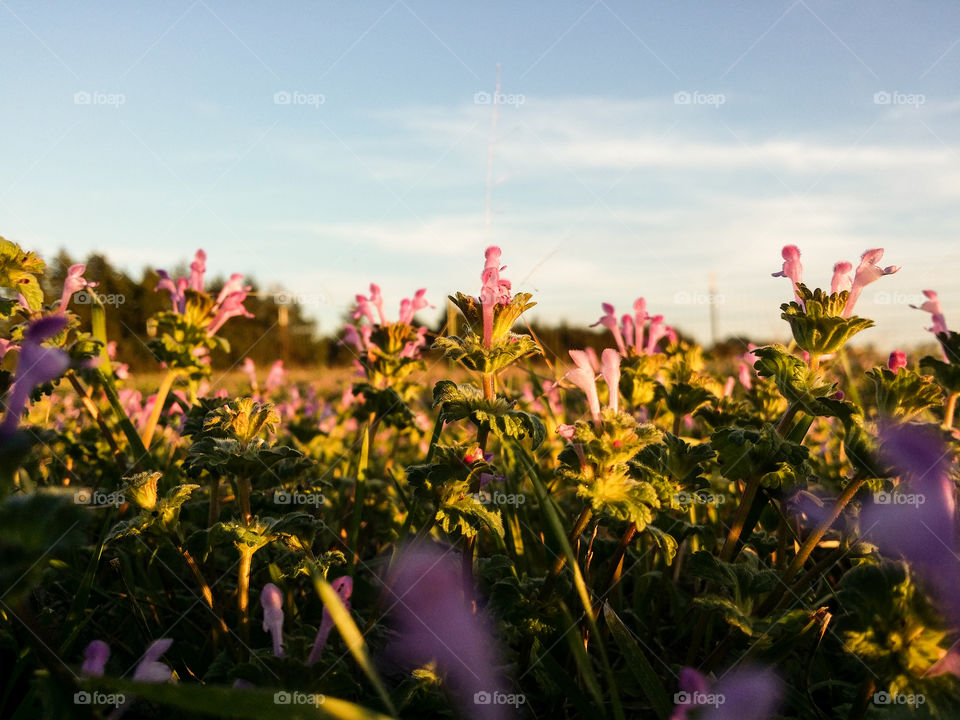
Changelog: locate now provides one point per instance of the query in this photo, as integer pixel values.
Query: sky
(658, 149)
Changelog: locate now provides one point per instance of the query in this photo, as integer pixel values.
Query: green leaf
(19, 271)
(638, 664)
(248, 703)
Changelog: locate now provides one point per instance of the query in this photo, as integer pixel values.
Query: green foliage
(818, 325)
(902, 394)
(466, 402)
(19, 272)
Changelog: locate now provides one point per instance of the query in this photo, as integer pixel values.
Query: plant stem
(95, 413)
(243, 498)
(358, 495)
(243, 591)
(158, 404)
(949, 411)
(213, 515)
(810, 544)
(740, 519)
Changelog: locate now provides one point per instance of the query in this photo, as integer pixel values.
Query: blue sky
(639, 148)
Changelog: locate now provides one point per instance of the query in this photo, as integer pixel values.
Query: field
(471, 525)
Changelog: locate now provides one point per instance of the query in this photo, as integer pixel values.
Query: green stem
(213, 514)
(162, 392)
(243, 498)
(243, 591)
(810, 544)
(740, 519)
(358, 497)
(949, 411)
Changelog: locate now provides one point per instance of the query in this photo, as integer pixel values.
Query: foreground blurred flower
(271, 599)
(743, 694)
(924, 533)
(150, 669)
(493, 291)
(436, 623)
(95, 659)
(791, 267)
(867, 272)
(37, 365)
(344, 588)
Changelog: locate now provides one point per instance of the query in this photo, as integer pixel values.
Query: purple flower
(867, 272)
(343, 586)
(408, 308)
(232, 306)
(36, 365)
(658, 330)
(376, 299)
(74, 282)
(233, 285)
(898, 359)
(275, 377)
(272, 601)
(150, 669)
(584, 378)
(841, 278)
(251, 371)
(433, 615)
(640, 318)
(197, 268)
(742, 694)
(932, 306)
(791, 267)
(609, 321)
(175, 288)
(493, 291)
(365, 306)
(610, 369)
(95, 659)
